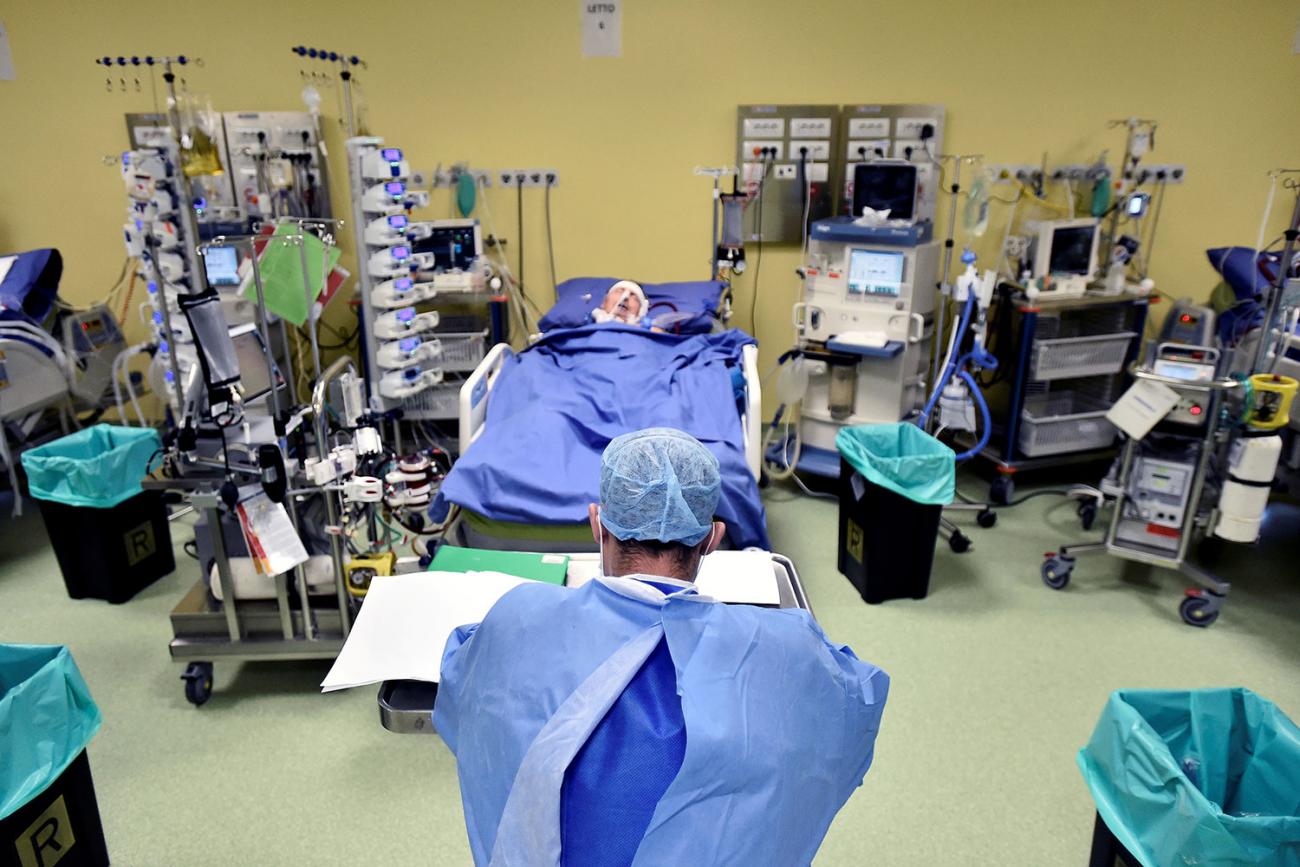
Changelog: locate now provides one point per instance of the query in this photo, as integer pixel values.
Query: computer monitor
(884, 185)
(878, 273)
(221, 264)
(455, 244)
(1065, 248)
(251, 354)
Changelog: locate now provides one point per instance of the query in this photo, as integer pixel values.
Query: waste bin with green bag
(110, 536)
(895, 480)
(1207, 776)
(48, 810)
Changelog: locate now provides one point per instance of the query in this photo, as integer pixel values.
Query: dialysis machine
(864, 330)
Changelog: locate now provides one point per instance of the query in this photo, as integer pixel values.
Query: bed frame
(477, 389)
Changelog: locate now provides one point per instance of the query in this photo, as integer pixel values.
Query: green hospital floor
(997, 681)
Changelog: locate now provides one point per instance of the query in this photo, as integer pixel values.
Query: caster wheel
(1001, 490)
(1056, 572)
(1087, 514)
(1198, 611)
(959, 542)
(198, 682)
(987, 518)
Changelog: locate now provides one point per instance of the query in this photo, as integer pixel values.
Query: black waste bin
(111, 538)
(49, 814)
(894, 482)
(113, 553)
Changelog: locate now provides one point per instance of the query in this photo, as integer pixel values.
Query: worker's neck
(662, 567)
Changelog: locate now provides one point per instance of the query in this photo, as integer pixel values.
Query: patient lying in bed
(624, 302)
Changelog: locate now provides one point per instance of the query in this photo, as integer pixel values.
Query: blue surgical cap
(658, 484)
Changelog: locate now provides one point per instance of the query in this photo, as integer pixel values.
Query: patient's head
(624, 302)
(659, 490)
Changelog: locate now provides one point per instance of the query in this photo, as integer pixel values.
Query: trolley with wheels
(1160, 500)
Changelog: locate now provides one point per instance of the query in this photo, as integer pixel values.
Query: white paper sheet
(6, 56)
(403, 627)
(404, 624)
(602, 28)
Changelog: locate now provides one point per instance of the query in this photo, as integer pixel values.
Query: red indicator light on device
(1184, 318)
(1194, 409)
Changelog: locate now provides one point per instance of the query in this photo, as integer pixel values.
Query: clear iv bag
(200, 130)
(975, 215)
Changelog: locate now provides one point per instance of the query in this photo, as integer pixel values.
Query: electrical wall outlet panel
(819, 173)
(816, 150)
(912, 127)
(859, 150)
(1005, 173)
(772, 149)
(1169, 173)
(810, 127)
(869, 127)
(785, 171)
(764, 127)
(541, 178)
(511, 177)
(1070, 172)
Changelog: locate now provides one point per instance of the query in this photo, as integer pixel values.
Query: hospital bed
(406, 706)
(695, 313)
(49, 359)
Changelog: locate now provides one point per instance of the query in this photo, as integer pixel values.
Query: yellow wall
(503, 85)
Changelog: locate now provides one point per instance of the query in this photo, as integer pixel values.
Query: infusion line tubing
(944, 294)
(1275, 296)
(197, 275)
(343, 364)
(161, 284)
(311, 296)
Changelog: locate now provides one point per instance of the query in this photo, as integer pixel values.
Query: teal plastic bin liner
(47, 718)
(902, 458)
(100, 466)
(1202, 777)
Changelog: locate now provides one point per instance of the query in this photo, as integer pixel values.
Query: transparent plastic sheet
(1197, 777)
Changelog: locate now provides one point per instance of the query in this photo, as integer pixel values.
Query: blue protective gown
(630, 722)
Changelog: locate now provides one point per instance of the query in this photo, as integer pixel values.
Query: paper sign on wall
(6, 56)
(602, 28)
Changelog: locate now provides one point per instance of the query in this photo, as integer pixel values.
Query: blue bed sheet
(556, 405)
(690, 305)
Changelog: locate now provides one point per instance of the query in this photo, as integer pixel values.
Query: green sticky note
(281, 268)
(550, 568)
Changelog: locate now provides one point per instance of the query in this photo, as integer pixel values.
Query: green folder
(281, 269)
(551, 568)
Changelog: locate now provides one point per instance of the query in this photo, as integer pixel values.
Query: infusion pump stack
(864, 324)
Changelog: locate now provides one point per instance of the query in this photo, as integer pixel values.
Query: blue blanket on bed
(557, 404)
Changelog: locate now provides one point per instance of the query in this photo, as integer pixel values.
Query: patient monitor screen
(222, 266)
(1072, 250)
(875, 272)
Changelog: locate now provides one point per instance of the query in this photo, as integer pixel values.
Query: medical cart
(313, 625)
(1066, 358)
(406, 706)
(1160, 500)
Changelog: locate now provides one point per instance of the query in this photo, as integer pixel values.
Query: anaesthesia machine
(863, 334)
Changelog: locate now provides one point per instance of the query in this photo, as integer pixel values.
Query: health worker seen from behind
(634, 721)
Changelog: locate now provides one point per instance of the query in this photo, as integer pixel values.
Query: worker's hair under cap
(658, 484)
